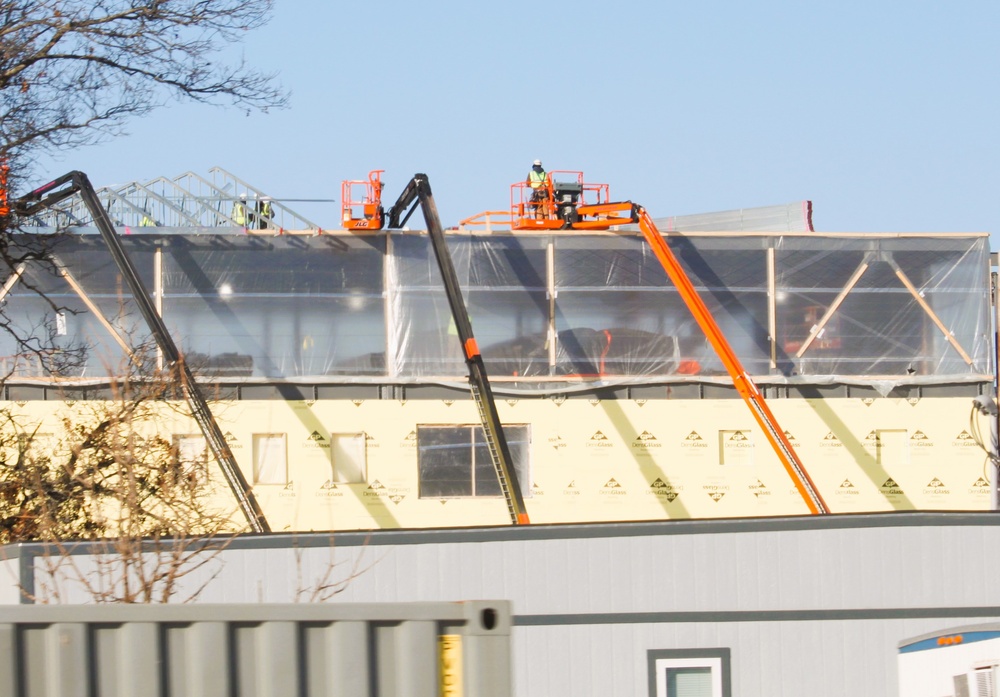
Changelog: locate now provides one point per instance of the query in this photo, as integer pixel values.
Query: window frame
(338, 475)
(718, 660)
(198, 465)
(523, 473)
(256, 440)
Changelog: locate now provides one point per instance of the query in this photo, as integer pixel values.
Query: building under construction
(343, 389)
(338, 380)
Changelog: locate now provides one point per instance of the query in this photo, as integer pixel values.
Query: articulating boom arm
(77, 182)
(419, 188)
(742, 381)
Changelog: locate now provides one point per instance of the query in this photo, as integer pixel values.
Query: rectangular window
(348, 457)
(270, 458)
(455, 462)
(689, 673)
(893, 447)
(191, 451)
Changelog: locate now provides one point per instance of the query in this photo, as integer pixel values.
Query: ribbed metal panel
(389, 650)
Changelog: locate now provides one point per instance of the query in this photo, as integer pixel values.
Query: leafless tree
(149, 516)
(75, 71)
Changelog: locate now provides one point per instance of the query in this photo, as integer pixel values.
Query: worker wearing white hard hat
(536, 182)
(264, 212)
(239, 214)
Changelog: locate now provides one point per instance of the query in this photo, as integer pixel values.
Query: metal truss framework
(188, 200)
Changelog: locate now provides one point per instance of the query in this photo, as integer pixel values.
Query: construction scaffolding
(188, 200)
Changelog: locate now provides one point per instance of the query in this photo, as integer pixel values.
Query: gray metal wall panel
(924, 566)
(249, 650)
(796, 601)
(769, 659)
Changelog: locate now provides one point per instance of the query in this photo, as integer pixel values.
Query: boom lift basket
(364, 213)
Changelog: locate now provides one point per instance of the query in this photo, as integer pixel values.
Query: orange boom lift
(575, 205)
(418, 192)
(366, 212)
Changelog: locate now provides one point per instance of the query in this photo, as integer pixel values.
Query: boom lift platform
(418, 189)
(77, 182)
(568, 204)
(563, 206)
(365, 213)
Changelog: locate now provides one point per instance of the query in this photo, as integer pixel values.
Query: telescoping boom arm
(419, 189)
(77, 182)
(741, 379)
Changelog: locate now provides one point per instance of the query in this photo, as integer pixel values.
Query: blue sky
(884, 114)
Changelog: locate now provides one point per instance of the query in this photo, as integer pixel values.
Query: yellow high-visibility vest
(536, 179)
(239, 215)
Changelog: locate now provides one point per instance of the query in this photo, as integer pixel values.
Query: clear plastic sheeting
(551, 312)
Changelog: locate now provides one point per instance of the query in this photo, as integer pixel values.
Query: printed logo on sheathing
(410, 441)
(694, 444)
(965, 440)
(646, 441)
(737, 448)
(716, 492)
(612, 488)
(660, 488)
(317, 440)
(571, 489)
(556, 442)
(919, 439)
(378, 490)
(370, 441)
(329, 489)
(936, 487)
(759, 489)
(868, 401)
(599, 440)
(980, 487)
(891, 488)
(830, 442)
(537, 490)
(232, 441)
(847, 488)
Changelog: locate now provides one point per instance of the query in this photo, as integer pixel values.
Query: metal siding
(250, 650)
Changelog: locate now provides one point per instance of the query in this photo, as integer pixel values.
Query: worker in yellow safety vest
(264, 212)
(536, 182)
(239, 214)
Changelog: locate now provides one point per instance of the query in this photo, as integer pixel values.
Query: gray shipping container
(389, 650)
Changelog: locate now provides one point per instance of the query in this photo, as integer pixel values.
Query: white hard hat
(243, 197)
(537, 163)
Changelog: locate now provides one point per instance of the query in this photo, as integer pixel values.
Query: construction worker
(239, 215)
(147, 220)
(264, 212)
(536, 182)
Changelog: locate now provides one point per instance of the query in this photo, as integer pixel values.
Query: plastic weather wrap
(551, 312)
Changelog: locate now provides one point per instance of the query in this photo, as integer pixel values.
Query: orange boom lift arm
(741, 380)
(565, 205)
